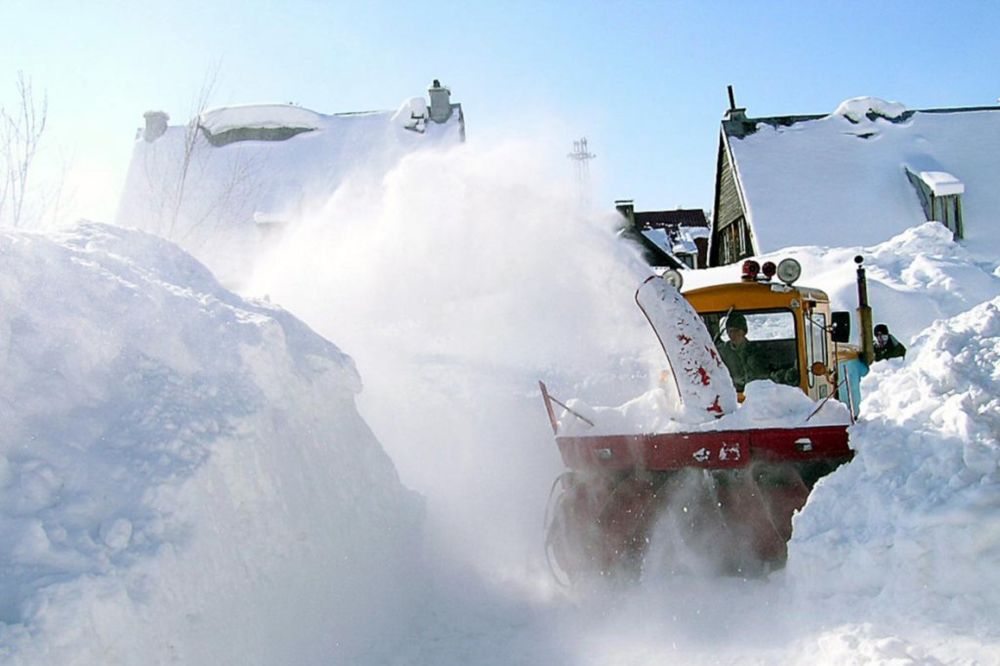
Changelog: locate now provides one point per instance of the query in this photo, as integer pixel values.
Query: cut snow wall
(181, 471)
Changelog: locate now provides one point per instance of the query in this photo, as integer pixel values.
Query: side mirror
(840, 326)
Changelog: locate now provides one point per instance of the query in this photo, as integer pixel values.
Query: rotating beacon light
(750, 270)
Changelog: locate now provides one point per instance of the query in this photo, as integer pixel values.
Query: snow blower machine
(714, 486)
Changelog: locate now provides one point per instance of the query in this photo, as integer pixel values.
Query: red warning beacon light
(750, 270)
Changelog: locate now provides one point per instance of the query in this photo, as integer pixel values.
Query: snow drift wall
(912, 524)
(183, 475)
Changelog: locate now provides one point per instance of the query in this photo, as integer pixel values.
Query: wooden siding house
(871, 166)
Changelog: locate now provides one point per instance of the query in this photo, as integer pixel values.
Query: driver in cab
(745, 360)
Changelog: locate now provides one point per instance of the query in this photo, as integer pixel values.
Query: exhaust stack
(865, 315)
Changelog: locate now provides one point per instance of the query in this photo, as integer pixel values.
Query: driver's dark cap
(736, 320)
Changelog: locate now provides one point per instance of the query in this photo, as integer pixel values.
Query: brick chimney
(156, 125)
(440, 109)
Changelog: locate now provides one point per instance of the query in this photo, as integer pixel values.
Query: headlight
(789, 271)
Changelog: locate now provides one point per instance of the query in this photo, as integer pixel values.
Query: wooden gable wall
(731, 237)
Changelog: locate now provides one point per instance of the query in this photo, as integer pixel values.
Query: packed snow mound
(912, 524)
(858, 109)
(179, 467)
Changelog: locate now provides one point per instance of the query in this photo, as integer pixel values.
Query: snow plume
(911, 527)
(180, 470)
(469, 274)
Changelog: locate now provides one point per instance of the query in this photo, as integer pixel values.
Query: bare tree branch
(208, 85)
(21, 132)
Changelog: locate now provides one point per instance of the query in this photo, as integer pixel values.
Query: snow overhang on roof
(941, 183)
(857, 109)
(255, 116)
(259, 122)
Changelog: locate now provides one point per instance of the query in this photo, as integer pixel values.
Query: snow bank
(912, 526)
(183, 475)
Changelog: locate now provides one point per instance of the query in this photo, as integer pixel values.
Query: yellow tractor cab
(791, 336)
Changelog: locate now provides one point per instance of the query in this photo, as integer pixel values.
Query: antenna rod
(732, 98)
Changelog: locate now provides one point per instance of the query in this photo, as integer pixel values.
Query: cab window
(771, 351)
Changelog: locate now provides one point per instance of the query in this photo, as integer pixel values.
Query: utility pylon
(581, 155)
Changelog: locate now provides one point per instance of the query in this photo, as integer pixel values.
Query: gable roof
(842, 177)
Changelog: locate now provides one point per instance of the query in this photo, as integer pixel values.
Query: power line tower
(581, 155)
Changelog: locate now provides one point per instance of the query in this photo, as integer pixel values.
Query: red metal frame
(714, 449)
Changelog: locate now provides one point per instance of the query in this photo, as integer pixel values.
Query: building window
(733, 241)
(947, 210)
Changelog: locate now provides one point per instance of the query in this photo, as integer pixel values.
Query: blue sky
(644, 81)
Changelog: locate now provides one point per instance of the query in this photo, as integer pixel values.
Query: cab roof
(751, 295)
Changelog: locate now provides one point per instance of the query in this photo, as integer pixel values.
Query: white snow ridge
(183, 475)
(910, 530)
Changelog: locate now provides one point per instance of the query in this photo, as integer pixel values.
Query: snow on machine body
(713, 490)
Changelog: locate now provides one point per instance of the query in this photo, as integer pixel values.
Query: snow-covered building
(668, 238)
(871, 166)
(233, 176)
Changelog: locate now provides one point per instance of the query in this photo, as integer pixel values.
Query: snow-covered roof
(806, 179)
(244, 166)
(680, 244)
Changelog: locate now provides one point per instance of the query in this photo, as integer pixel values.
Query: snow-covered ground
(192, 476)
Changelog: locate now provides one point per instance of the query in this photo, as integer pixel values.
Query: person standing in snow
(887, 346)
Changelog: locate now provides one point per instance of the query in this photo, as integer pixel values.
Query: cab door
(817, 341)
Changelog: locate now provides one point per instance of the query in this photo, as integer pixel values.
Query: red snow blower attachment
(700, 495)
